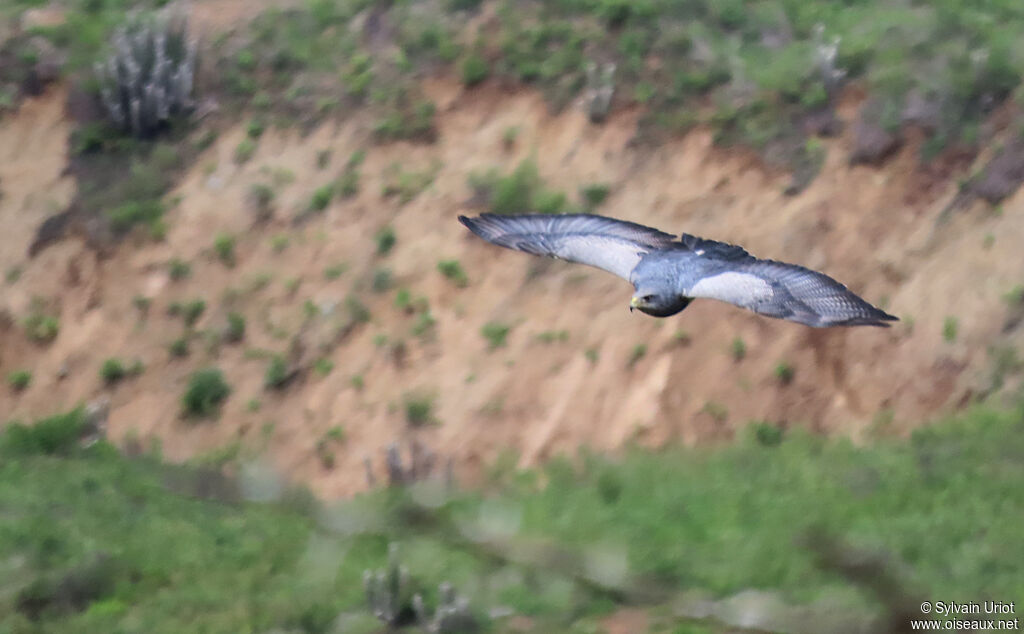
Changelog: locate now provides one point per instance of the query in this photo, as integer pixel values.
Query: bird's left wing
(613, 245)
(789, 291)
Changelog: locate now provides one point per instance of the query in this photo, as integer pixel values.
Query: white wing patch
(741, 289)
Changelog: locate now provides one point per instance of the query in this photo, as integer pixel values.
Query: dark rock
(872, 143)
(1003, 174)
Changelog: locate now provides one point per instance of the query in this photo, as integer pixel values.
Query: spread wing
(613, 245)
(789, 291)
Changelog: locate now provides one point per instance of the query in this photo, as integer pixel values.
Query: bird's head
(658, 304)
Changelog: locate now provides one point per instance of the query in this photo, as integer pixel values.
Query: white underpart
(615, 255)
(742, 289)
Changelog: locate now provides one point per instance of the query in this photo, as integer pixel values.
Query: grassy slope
(944, 504)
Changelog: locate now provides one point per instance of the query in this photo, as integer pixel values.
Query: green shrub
(419, 409)
(474, 69)
(495, 333)
(784, 372)
(261, 197)
(766, 434)
(245, 150)
(323, 366)
(235, 330)
(192, 311)
(357, 310)
(224, 247)
(19, 380)
(254, 129)
(639, 352)
(950, 328)
(321, 197)
(205, 393)
(279, 243)
(738, 349)
(56, 435)
(347, 184)
(179, 347)
(112, 371)
(382, 280)
(178, 269)
(41, 328)
(593, 195)
(385, 239)
(453, 270)
(277, 375)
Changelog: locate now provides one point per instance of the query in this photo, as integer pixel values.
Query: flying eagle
(669, 273)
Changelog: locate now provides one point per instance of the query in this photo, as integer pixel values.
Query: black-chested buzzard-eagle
(669, 273)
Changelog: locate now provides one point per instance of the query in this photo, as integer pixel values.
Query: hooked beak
(635, 302)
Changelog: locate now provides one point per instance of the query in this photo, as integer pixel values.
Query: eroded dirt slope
(870, 228)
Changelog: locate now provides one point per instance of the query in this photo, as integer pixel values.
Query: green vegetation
(19, 380)
(206, 390)
(474, 69)
(178, 269)
(357, 310)
(224, 247)
(192, 311)
(385, 239)
(335, 271)
(419, 409)
(738, 349)
(551, 336)
(453, 270)
(277, 374)
(235, 330)
(495, 332)
(321, 197)
(382, 280)
(773, 511)
(639, 352)
(245, 150)
(40, 327)
(950, 328)
(784, 372)
(179, 347)
(522, 191)
(593, 195)
(112, 371)
(407, 184)
(323, 366)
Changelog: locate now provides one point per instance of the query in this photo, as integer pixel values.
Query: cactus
(825, 58)
(387, 590)
(452, 613)
(149, 75)
(419, 467)
(600, 89)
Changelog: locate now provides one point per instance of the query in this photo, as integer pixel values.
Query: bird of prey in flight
(669, 273)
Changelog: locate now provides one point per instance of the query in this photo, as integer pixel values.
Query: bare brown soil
(870, 227)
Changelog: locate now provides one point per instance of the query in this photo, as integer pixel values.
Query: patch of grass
(950, 328)
(382, 280)
(192, 311)
(112, 371)
(509, 136)
(335, 271)
(178, 269)
(235, 330)
(419, 409)
(593, 195)
(277, 375)
(495, 332)
(12, 274)
(407, 184)
(639, 352)
(453, 270)
(551, 336)
(205, 393)
(474, 69)
(385, 239)
(245, 150)
(321, 197)
(323, 366)
(179, 347)
(224, 247)
(357, 310)
(19, 380)
(717, 411)
(784, 372)
(41, 327)
(279, 243)
(738, 349)
(522, 191)
(592, 355)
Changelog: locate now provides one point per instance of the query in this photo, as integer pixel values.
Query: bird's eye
(648, 298)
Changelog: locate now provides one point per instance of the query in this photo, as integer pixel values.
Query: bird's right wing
(613, 245)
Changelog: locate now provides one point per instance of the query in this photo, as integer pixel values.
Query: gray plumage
(669, 273)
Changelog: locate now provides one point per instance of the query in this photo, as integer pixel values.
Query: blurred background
(256, 377)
